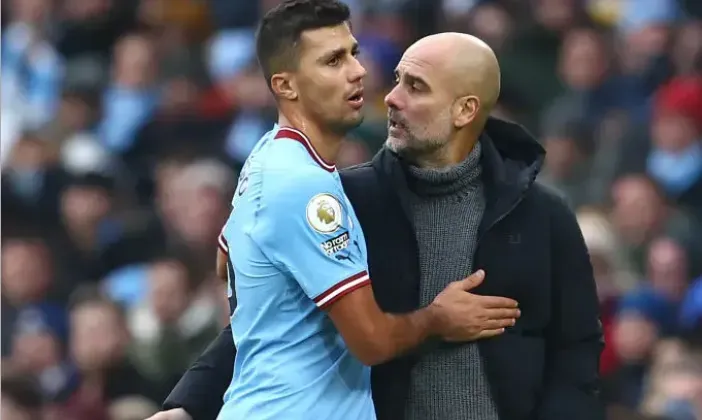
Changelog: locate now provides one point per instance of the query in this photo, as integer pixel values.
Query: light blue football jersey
(295, 247)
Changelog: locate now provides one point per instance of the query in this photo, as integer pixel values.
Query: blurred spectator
(31, 68)
(239, 81)
(91, 27)
(491, 23)
(124, 124)
(675, 160)
(38, 343)
(198, 198)
(642, 318)
(27, 306)
(99, 342)
(31, 181)
(667, 269)
(687, 50)
(674, 387)
(569, 149)
(77, 111)
(640, 213)
(132, 97)
(584, 68)
(86, 204)
(175, 322)
(613, 276)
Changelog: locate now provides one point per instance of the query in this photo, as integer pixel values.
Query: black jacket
(530, 246)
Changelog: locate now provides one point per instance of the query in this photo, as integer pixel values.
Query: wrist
(433, 315)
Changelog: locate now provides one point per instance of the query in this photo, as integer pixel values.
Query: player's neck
(326, 143)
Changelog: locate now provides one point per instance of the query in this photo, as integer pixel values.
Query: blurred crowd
(124, 123)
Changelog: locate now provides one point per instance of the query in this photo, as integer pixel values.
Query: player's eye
(334, 61)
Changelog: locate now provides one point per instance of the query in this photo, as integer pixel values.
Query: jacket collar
(511, 160)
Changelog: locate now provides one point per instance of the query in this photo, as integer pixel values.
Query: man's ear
(465, 110)
(284, 86)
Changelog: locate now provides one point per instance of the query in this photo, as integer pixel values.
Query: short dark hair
(280, 30)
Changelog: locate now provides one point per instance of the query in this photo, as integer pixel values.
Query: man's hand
(174, 414)
(466, 317)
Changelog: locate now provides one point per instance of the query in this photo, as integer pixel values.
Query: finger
(490, 333)
(473, 280)
(503, 313)
(496, 324)
(497, 302)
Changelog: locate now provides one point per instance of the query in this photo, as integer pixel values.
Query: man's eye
(334, 61)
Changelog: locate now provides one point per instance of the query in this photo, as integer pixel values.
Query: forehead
(167, 270)
(95, 312)
(633, 188)
(22, 246)
(423, 64)
(327, 39)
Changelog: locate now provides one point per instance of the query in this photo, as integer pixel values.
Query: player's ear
(283, 86)
(465, 110)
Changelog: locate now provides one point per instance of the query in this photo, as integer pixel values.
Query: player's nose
(357, 72)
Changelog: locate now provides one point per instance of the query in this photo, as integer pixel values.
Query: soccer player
(306, 325)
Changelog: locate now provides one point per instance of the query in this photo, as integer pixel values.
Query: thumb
(473, 280)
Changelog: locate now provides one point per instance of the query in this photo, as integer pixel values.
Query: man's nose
(392, 99)
(358, 72)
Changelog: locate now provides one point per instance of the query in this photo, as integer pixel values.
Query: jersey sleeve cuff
(222, 243)
(341, 289)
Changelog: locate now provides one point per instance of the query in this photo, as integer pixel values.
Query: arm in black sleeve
(201, 389)
(574, 338)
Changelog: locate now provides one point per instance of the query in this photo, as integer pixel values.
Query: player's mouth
(394, 127)
(356, 99)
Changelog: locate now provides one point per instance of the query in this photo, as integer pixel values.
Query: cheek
(419, 119)
(435, 124)
(319, 92)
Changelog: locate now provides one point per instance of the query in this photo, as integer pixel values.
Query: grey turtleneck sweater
(448, 383)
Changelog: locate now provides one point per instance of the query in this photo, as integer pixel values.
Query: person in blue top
(306, 325)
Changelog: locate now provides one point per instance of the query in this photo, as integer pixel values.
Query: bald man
(452, 192)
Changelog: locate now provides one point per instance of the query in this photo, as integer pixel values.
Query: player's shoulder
(304, 192)
(292, 147)
(292, 186)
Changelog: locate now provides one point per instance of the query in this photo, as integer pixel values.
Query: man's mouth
(356, 99)
(393, 123)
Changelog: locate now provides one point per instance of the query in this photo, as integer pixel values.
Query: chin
(358, 117)
(395, 144)
(352, 121)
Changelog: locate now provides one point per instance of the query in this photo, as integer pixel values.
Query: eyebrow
(411, 78)
(338, 52)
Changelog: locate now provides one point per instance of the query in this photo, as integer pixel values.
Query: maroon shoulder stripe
(298, 136)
